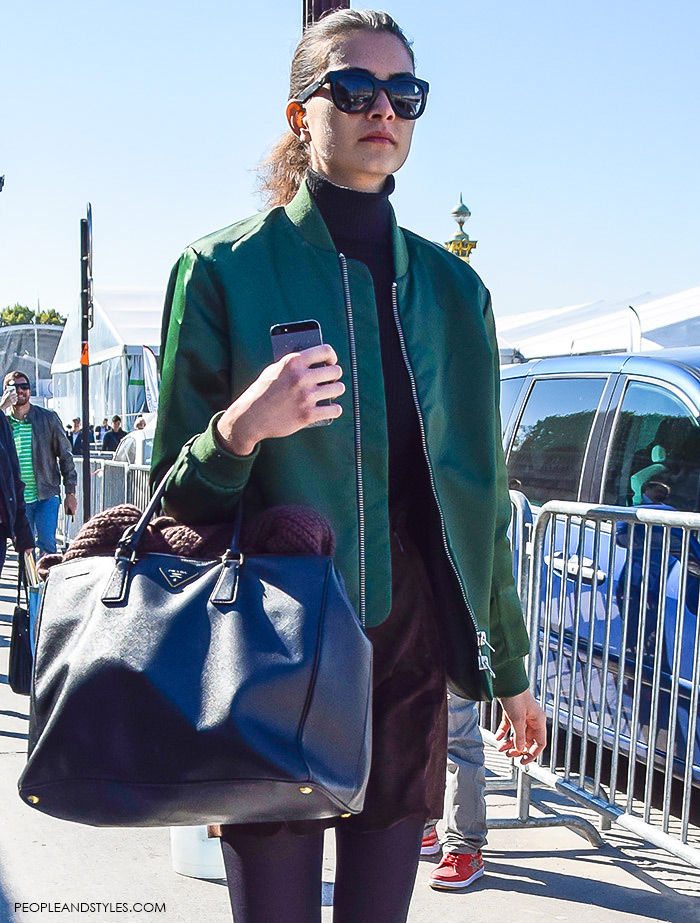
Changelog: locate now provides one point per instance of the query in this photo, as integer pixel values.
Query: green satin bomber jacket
(225, 293)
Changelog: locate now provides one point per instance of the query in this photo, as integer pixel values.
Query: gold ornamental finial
(460, 244)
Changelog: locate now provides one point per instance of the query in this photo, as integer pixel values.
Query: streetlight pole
(36, 345)
(313, 10)
(85, 325)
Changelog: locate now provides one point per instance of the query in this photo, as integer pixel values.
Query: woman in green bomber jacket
(409, 471)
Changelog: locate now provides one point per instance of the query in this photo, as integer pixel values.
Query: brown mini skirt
(409, 706)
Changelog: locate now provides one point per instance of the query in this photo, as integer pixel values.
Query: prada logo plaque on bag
(177, 576)
(172, 691)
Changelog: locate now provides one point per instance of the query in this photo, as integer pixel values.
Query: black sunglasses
(20, 385)
(355, 90)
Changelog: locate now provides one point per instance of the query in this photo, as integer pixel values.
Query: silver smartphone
(293, 338)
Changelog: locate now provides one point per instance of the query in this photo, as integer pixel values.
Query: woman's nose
(381, 107)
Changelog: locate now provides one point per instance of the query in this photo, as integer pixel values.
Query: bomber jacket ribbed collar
(303, 212)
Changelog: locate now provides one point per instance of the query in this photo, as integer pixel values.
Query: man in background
(13, 515)
(77, 437)
(75, 432)
(462, 862)
(100, 431)
(112, 438)
(45, 456)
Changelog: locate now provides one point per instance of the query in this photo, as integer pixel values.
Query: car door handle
(573, 565)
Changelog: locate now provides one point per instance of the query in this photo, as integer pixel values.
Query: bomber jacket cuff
(220, 467)
(510, 679)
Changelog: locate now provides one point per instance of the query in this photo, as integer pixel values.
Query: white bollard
(194, 854)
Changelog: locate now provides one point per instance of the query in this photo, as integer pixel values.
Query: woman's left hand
(523, 727)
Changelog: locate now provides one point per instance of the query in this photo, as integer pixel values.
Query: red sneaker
(457, 870)
(431, 844)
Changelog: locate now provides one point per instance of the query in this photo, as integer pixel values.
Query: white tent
(125, 320)
(30, 348)
(641, 322)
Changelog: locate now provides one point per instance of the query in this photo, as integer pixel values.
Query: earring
(295, 118)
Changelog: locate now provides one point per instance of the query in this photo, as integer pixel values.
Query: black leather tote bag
(19, 674)
(172, 691)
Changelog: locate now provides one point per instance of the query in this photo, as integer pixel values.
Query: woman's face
(358, 150)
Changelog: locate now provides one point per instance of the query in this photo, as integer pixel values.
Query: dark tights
(278, 877)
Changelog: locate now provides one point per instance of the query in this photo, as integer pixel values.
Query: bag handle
(226, 589)
(22, 581)
(131, 538)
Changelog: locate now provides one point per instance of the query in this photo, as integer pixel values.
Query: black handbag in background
(175, 691)
(19, 674)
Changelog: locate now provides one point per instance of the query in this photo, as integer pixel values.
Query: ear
(296, 119)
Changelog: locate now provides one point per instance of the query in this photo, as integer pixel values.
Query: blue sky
(571, 128)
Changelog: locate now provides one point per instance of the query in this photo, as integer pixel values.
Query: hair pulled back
(282, 172)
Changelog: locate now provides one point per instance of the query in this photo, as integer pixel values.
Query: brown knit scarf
(279, 530)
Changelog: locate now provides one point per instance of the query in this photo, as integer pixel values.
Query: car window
(550, 442)
(655, 450)
(510, 388)
(126, 450)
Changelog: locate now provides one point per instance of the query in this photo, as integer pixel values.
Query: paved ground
(532, 875)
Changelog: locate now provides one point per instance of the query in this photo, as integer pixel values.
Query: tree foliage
(21, 314)
(51, 317)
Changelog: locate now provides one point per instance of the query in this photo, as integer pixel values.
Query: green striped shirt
(22, 432)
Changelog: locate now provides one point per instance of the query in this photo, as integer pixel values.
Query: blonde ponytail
(282, 172)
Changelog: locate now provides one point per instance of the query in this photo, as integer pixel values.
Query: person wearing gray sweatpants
(465, 806)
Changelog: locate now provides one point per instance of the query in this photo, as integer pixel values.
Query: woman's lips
(379, 138)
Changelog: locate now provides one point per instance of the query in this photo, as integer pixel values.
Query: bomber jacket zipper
(483, 659)
(358, 439)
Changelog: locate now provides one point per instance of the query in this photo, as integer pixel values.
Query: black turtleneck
(360, 225)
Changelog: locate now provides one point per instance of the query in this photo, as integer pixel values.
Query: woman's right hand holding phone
(284, 399)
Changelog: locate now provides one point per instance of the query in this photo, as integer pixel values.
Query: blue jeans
(43, 519)
(465, 807)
